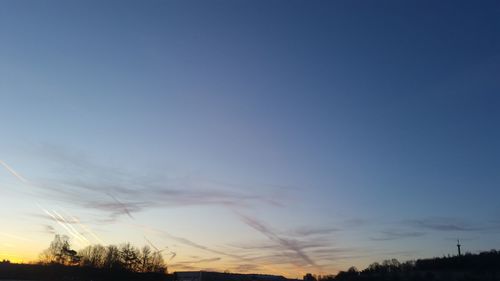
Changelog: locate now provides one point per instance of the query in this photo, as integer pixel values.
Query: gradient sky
(279, 137)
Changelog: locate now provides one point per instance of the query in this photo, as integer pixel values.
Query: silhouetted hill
(484, 266)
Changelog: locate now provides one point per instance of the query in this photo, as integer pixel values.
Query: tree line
(123, 257)
(484, 266)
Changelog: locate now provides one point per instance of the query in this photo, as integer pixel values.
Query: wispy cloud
(388, 235)
(355, 222)
(272, 245)
(450, 224)
(246, 268)
(159, 251)
(124, 208)
(119, 193)
(187, 242)
(286, 244)
(232, 257)
(206, 260)
(116, 194)
(49, 229)
(310, 231)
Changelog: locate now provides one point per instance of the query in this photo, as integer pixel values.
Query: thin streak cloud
(13, 172)
(87, 229)
(287, 244)
(394, 235)
(71, 231)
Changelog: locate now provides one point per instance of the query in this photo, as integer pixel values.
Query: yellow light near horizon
(14, 258)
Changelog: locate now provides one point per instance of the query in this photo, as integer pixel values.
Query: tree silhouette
(130, 257)
(93, 256)
(126, 257)
(60, 252)
(112, 258)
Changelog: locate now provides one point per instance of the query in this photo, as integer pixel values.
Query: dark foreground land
(11, 271)
(470, 267)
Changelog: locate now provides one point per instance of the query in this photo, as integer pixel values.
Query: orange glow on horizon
(14, 258)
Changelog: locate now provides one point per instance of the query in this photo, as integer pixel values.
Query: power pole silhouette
(458, 247)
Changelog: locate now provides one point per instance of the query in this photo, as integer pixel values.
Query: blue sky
(358, 130)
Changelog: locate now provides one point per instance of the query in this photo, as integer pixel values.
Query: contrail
(58, 220)
(285, 243)
(151, 244)
(201, 247)
(84, 227)
(173, 254)
(83, 238)
(121, 204)
(13, 172)
(185, 241)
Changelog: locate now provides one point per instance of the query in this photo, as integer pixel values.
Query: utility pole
(458, 247)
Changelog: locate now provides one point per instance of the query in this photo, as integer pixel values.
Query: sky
(279, 137)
